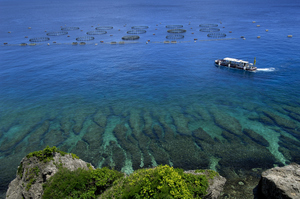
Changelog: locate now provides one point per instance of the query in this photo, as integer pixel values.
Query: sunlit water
(135, 105)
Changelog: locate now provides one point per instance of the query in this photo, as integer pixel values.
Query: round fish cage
(39, 39)
(175, 36)
(136, 31)
(133, 37)
(208, 25)
(216, 35)
(104, 28)
(87, 38)
(209, 29)
(70, 28)
(96, 32)
(174, 26)
(139, 27)
(176, 31)
(57, 33)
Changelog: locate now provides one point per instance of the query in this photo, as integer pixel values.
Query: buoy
(5, 43)
(96, 44)
(45, 30)
(9, 32)
(119, 29)
(92, 26)
(290, 36)
(68, 36)
(220, 22)
(195, 39)
(155, 28)
(153, 33)
(26, 36)
(101, 41)
(230, 31)
(192, 33)
(223, 26)
(81, 30)
(54, 42)
(244, 38)
(258, 37)
(253, 21)
(111, 35)
(146, 42)
(29, 27)
(258, 25)
(191, 28)
(267, 30)
(48, 44)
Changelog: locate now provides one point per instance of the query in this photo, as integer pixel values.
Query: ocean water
(146, 102)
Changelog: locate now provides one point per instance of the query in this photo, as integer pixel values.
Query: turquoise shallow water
(129, 106)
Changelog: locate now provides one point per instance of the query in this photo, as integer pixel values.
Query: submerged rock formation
(281, 182)
(34, 172)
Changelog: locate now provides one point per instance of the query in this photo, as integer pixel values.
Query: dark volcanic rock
(281, 182)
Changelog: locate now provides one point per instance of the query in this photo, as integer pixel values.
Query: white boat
(236, 63)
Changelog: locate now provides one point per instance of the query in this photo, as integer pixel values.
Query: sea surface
(137, 104)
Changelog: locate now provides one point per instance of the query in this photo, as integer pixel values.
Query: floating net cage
(209, 29)
(175, 36)
(174, 26)
(139, 27)
(87, 38)
(136, 31)
(96, 32)
(104, 28)
(39, 39)
(216, 35)
(176, 31)
(70, 28)
(133, 37)
(57, 33)
(208, 25)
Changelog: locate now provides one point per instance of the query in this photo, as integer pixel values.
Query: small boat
(236, 63)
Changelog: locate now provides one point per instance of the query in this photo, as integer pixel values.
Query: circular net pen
(104, 28)
(133, 37)
(87, 38)
(39, 39)
(57, 33)
(96, 32)
(174, 26)
(70, 28)
(216, 35)
(139, 27)
(209, 29)
(176, 31)
(208, 25)
(137, 31)
(174, 37)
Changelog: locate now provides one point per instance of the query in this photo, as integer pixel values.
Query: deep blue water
(141, 104)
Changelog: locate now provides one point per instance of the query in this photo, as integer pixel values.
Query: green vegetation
(80, 183)
(46, 154)
(20, 170)
(159, 182)
(211, 173)
(31, 181)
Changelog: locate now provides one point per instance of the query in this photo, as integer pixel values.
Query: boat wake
(266, 69)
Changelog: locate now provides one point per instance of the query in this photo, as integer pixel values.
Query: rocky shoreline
(278, 182)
